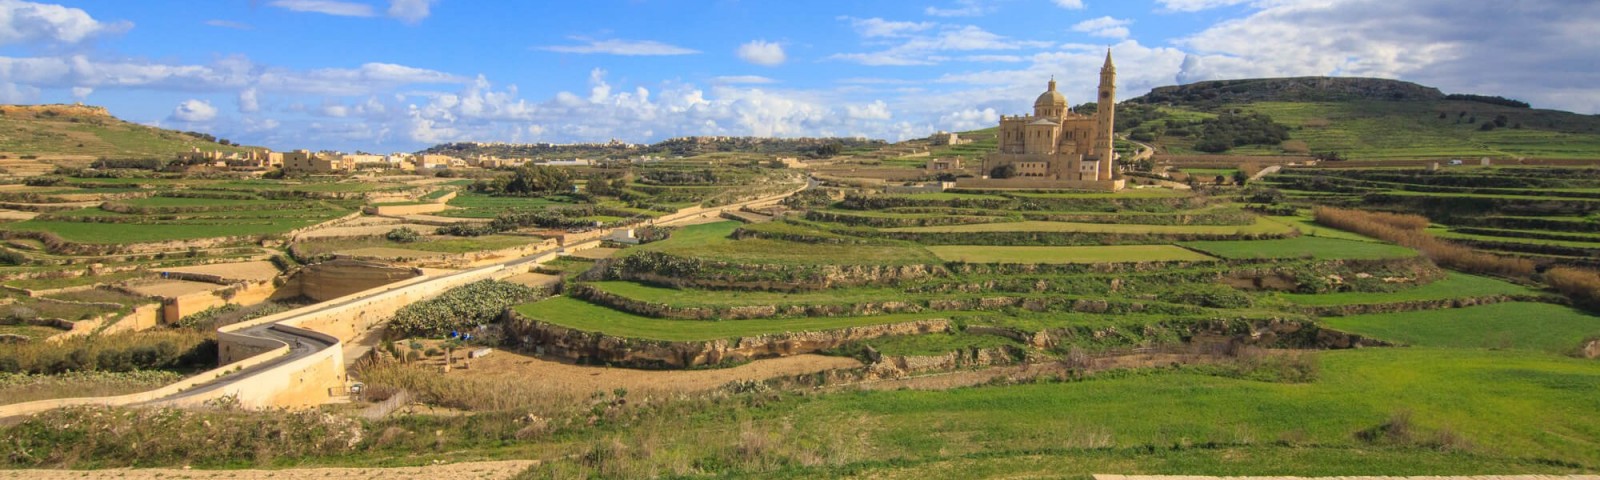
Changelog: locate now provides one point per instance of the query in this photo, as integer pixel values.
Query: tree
(1239, 178)
(538, 180)
(1003, 171)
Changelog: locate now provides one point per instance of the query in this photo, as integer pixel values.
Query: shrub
(459, 309)
(122, 352)
(403, 235)
(1581, 285)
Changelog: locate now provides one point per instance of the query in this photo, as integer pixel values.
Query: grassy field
(710, 240)
(716, 298)
(1456, 285)
(1302, 247)
(95, 135)
(936, 343)
(477, 205)
(1260, 227)
(1089, 254)
(573, 313)
(250, 218)
(1517, 325)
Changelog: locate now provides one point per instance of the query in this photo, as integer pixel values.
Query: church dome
(1050, 101)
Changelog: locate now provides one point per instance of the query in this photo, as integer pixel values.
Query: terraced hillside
(86, 132)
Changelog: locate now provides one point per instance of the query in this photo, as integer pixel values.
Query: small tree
(403, 235)
(1239, 178)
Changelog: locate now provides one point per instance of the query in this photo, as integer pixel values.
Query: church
(1056, 147)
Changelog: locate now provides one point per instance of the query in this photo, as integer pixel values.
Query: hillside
(1358, 118)
(80, 132)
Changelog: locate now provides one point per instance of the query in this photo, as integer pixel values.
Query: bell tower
(1105, 117)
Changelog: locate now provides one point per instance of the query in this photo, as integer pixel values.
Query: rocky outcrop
(593, 347)
(337, 278)
(682, 272)
(1590, 349)
(885, 366)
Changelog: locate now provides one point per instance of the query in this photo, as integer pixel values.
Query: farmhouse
(1056, 147)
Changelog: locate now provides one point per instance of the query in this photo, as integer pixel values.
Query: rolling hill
(1358, 118)
(32, 136)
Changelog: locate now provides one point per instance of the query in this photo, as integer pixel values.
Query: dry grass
(1410, 231)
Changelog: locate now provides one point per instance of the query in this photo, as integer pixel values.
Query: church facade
(1057, 147)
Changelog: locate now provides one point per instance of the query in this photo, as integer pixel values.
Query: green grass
(1089, 254)
(1456, 285)
(1516, 325)
(720, 298)
(1309, 227)
(1260, 227)
(710, 240)
(1302, 247)
(477, 205)
(573, 313)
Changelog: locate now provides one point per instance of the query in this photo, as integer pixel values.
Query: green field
(711, 241)
(581, 315)
(1088, 254)
(1379, 130)
(720, 298)
(1456, 285)
(1516, 325)
(1301, 247)
(936, 343)
(478, 205)
(1260, 227)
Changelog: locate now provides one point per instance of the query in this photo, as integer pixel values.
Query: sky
(402, 75)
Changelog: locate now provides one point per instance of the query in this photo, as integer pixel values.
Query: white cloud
(410, 11)
(81, 93)
(28, 22)
(1104, 27)
(963, 8)
(877, 110)
(742, 80)
(1197, 5)
(922, 48)
(762, 52)
(878, 27)
(621, 47)
(326, 7)
(993, 58)
(17, 93)
(194, 111)
(1070, 4)
(249, 101)
(229, 24)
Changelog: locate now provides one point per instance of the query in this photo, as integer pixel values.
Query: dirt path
(582, 380)
(463, 471)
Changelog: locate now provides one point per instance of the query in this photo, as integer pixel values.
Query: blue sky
(400, 75)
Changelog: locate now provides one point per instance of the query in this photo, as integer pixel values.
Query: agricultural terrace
(1547, 214)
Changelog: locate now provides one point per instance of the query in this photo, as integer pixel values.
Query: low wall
(29, 408)
(411, 209)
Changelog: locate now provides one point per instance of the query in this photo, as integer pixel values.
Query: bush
(1581, 285)
(403, 235)
(1409, 230)
(122, 352)
(460, 309)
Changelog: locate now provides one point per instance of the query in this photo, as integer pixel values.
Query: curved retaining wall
(584, 346)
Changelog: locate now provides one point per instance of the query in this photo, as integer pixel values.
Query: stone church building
(1056, 147)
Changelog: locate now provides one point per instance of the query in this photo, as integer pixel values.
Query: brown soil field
(249, 271)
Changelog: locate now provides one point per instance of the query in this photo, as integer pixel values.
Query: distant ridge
(1293, 89)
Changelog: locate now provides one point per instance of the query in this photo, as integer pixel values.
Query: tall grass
(1410, 231)
(1581, 285)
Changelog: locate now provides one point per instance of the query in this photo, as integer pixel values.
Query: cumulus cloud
(1070, 4)
(410, 11)
(1527, 55)
(620, 47)
(762, 52)
(962, 8)
(878, 27)
(1104, 27)
(877, 110)
(326, 7)
(194, 111)
(28, 22)
(81, 93)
